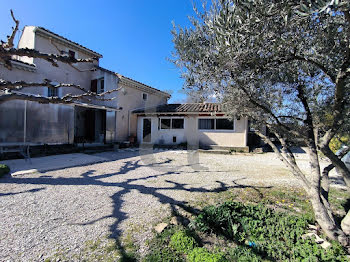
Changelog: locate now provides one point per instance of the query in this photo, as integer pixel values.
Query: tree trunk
(320, 204)
(345, 224)
(324, 220)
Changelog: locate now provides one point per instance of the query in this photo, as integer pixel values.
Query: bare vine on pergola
(8, 89)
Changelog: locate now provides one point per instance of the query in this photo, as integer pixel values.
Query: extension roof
(184, 108)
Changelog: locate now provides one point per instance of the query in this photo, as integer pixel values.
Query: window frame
(71, 53)
(58, 91)
(144, 96)
(171, 123)
(99, 84)
(216, 130)
(206, 119)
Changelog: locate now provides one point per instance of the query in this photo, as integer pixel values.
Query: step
(215, 151)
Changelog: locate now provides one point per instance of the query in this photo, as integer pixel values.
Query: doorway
(90, 125)
(147, 130)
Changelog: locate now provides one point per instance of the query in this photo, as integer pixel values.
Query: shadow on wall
(130, 184)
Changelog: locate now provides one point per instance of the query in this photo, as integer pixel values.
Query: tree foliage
(285, 64)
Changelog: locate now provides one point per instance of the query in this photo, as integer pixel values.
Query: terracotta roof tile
(184, 108)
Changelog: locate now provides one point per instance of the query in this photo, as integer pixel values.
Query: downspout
(246, 131)
(25, 122)
(129, 122)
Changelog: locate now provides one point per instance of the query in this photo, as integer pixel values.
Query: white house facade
(84, 120)
(196, 124)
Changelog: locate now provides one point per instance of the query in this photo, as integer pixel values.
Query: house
(197, 124)
(136, 109)
(84, 120)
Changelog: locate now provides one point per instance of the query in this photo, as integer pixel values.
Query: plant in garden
(286, 65)
(182, 242)
(4, 169)
(200, 254)
(270, 234)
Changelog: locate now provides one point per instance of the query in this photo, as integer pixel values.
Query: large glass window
(171, 123)
(224, 124)
(215, 124)
(165, 123)
(177, 123)
(206, 124)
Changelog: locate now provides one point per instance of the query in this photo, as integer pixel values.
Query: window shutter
(93, 86)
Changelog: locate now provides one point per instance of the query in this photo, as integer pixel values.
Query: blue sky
(132, 35)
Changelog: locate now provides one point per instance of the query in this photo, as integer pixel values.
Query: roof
(184, 108)
(134, 83)
(48, 32)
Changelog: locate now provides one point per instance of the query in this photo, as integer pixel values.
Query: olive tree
(284, 64)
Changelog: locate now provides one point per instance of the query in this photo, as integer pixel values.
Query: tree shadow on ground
(128, 185)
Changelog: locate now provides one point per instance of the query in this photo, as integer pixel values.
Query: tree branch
(338, 163)
(7, 53)
(18, 85)
(293, 167)
(93, 94)
(10, 39)
(268, 111)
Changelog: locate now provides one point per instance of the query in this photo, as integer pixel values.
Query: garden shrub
(182, 242)
(161, 250)
(336, 143)
(201, 254)
(163, 254)
(273, 235)
(4, 169)
(243, 254)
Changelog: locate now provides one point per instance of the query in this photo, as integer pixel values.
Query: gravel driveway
(63, 209)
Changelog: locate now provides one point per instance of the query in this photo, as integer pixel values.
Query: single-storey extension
(202, 124)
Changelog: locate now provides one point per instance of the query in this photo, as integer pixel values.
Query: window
(52, 92)
(206, 124)
(171, 123)
(71, 54)
(215, 124)
(144, 96)
(177, 123)
(224, 124)
(165, 123)
(98, 85)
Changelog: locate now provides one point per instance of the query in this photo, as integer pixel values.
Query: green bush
(163, 254)
(243, 254)
(273, 235)
(182, 242)
(160, 249)
(201, 254)
(336, 142)
(4, 169)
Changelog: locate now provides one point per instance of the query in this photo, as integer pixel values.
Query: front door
(90, 125)
(147, 129)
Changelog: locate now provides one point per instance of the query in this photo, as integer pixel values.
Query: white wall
(130, 99)
(191, 134)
